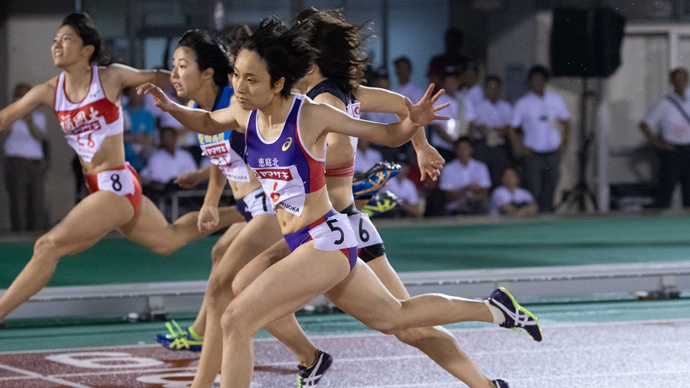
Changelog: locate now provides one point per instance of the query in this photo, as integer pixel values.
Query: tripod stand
(580, 194)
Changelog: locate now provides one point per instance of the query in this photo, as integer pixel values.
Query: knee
(46, 246)
(218, 289)
(385, 326)
(411, 336)
(217, 253)
(165, 250)
(233, 321)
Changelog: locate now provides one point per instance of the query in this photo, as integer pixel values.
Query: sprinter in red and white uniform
(86, 101)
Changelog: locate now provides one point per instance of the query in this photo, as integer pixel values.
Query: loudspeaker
(586, 42)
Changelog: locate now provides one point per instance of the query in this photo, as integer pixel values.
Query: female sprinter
(285, 142)
(335, 79)
(86, 101)
(200, 73)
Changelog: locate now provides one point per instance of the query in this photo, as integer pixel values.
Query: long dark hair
(209, 52)
(339, 43)
(284, 49)
(83, 25)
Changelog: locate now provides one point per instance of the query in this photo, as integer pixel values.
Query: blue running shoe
(516, 316)
(179, 339)
(366, 184)
(500, 384)
(310, 376)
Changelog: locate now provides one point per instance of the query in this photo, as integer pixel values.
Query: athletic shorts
(122, 180)
(253, 204)
(369, 240)
(330, 232)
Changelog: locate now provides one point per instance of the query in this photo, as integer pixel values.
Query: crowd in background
(501, 158)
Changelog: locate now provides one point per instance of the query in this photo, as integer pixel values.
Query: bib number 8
(117, 185)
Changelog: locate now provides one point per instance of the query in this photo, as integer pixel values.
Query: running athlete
(334, 79)
(85, 98)
(286, 143)
(200, 73)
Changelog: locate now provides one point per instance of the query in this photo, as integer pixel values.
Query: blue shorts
(253, 204)
(330, 232)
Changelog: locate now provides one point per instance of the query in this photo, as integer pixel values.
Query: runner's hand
(159, 97)
(430, 163)
(424, 112)
(208, 219)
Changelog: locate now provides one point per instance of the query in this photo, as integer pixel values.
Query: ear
(312, 69)
(278, 85)
(208, 73)
(88, 50)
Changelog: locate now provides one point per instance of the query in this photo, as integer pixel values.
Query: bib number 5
(332, 224)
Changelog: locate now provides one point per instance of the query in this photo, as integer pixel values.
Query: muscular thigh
(255, 237)
(92, 218)
(363, 296)
(278, 251)
(291, 283)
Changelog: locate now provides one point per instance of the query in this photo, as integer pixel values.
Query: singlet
(225, 150)
(88, 122)
(285, 168)
(352, 108)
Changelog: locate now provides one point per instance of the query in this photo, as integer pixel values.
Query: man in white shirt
(24, 168)
(405, 189)
(512, 200)
(444, 133)
(365, 156)
(539, 113)
(491, 128)
(667, 128)
(472, 89)
(403, 70)
(169, 161)
(465, 182)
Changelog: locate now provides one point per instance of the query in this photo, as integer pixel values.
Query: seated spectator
(24, 168)
(405, 189)
(471, 87)
(444, 133)
(365, 156)
(512, 200)
(140, 129)
(168, 162)
(465, 182)
(491, 129)
(403, 70)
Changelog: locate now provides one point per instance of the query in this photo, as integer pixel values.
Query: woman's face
(68, 48)
(186, 77)
(252, 83)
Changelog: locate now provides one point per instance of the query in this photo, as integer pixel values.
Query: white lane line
(42, 377)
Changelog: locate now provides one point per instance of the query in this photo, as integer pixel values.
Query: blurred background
(504, 38)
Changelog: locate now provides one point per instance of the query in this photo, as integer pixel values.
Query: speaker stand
(579, 195)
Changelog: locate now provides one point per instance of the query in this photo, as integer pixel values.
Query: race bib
(335, 233)
(88, 143)
(284, 187)
(365, 231)
(119, 182)
(228, 161)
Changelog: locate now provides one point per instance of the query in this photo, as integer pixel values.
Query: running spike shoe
(180, 339)
(366, 184)
(382, 202)
(516, 316)
(500, 384)
(310, 376)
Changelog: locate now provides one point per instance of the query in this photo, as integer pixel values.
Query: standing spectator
(465, 182)
(491, 128)
(365, 156)
(453, 56)
(471, 87)
(444, 133)
(537, 114)
(405, 189)
(24, 168)
(168, 162)
(140, 129)
(512, 200)
(671, 119)
(403, 70)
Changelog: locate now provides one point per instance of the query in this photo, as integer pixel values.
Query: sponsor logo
(287, 144)
(215, 149)
(274, 173)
